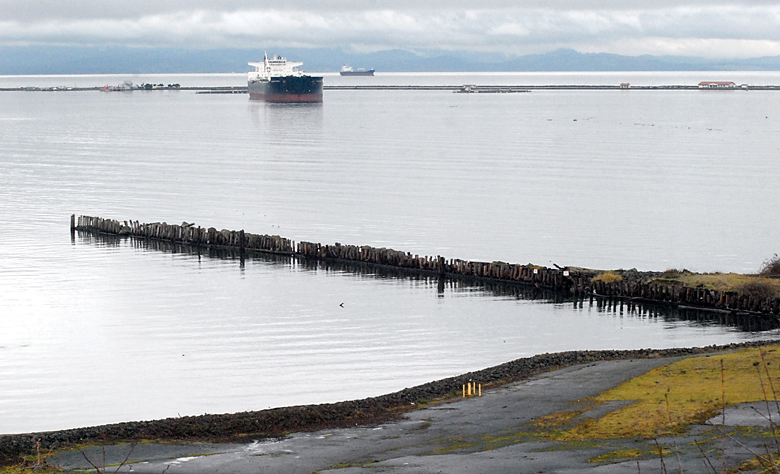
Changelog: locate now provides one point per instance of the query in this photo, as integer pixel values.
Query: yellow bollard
(480, 390)
(464, 391)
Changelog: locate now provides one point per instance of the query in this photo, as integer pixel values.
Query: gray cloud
(726, 29)
(33, 10)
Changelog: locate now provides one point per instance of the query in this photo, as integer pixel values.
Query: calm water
(95, 332)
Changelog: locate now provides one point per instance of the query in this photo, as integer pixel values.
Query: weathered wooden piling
(570, 281)
(186, 234)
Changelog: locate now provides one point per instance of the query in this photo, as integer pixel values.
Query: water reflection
(705, 317)
(465, 285)
(287, 121)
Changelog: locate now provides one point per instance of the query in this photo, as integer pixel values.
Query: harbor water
(98, 330)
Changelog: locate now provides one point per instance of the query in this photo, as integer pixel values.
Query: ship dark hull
(287, 89)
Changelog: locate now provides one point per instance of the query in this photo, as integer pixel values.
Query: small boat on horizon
(348, 71)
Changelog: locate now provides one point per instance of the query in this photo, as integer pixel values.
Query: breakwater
(616, 285)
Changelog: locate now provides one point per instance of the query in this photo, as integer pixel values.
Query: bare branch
(132, 448)
(97, 469)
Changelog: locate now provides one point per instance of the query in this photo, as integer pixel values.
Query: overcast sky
(714, 29)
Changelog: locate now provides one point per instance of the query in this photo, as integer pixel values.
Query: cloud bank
(735, 29)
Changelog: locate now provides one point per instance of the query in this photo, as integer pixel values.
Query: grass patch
(759, 464)
(555, 420)
(669, 398)
(619, 455)
(759, 431)
(758, 286)
(495, 442)
(454, 447)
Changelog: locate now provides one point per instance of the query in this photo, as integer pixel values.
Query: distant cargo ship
(348, 71)
(277, 80)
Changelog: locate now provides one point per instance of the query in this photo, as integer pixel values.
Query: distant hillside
(117, 60)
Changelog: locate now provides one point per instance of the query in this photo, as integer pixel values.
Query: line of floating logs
(573, 280)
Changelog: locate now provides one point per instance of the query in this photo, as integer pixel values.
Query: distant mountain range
(120, 60)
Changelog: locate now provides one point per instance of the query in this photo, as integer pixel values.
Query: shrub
(771, 266)
(758, 289)
(672, 273)
(608, 277)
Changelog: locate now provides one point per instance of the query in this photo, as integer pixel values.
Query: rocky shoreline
(278, 422)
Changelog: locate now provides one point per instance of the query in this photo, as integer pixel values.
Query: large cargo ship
(277, 80)
(348, 71)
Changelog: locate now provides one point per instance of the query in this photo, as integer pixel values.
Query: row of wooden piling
(186, 233)
(530, 274)
(574, 281)
(679, 294)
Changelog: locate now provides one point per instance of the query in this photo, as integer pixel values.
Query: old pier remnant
(187, 234)
(635, 286)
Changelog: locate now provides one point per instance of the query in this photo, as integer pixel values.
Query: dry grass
(45, 469)
(670, 398)
(749, 284)
(608, 277)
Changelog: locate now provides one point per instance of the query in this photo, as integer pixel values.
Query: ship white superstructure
(276, 66)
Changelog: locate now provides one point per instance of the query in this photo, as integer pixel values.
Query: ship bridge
(276, 66)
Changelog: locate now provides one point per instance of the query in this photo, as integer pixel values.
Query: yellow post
(468, 390)
(480, 390)
(464, 391)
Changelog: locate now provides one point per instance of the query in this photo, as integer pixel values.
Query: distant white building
(717, 85)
